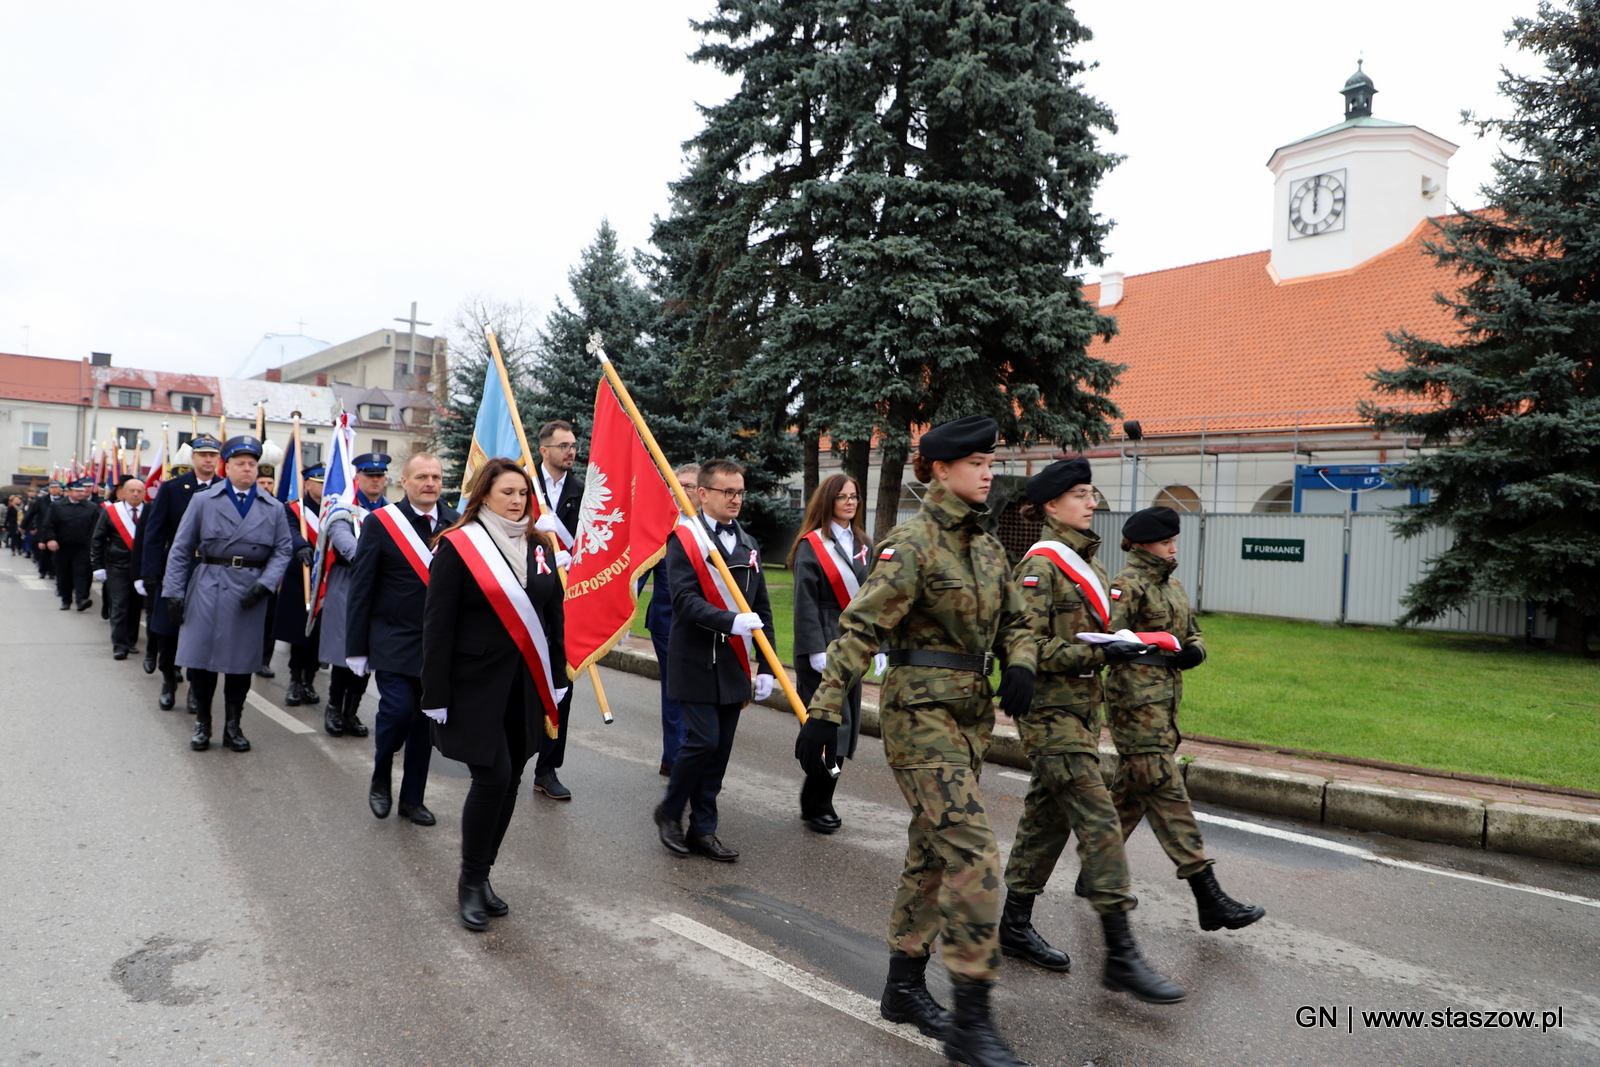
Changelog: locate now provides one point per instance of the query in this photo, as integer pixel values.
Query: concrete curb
(1523, 829)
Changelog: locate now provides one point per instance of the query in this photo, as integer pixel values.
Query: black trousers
(204, 684)
(303, 658)
(696, 780)
(553, 750)
(269, 643)
(493, 794)
(72, 572)
(343, 682)
(126, 606)
(45, 559)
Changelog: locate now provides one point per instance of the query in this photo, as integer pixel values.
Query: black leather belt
(234, 562)
(950, 661)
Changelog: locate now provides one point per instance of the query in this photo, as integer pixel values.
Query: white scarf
(511, 538)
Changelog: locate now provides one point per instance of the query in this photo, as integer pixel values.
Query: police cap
(1057, 478)
(206, 443)
(959, 439)
(1151, 525)
(243, 445)
(372, 463)
(315, 473)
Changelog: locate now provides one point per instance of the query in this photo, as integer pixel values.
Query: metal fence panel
(1308, 588)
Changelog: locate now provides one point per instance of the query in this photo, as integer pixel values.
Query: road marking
(837, 997)
(43, 584)
(1372, 857)
(277, 715)
(1018, 775)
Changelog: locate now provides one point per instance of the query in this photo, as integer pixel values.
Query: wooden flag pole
(782, 675)
(522, 440)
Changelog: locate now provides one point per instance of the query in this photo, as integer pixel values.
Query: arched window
(1178, 498)
(1279, 498)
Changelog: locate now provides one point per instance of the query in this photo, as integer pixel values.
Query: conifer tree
(1513, 403)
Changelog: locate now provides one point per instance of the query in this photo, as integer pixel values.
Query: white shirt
(728, 539)
(552, 486)
(432, 515)
(846, 539)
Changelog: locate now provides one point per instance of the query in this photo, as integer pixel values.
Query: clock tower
(1351, 191)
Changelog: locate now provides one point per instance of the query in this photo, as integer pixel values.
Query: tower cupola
(1358, 92)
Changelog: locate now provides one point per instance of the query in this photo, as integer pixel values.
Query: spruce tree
(880, 226)
(1513, 403)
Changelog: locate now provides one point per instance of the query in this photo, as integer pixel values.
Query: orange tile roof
(1224, 341)
(51, 381)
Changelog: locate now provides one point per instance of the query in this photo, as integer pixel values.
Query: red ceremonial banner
(623, 525)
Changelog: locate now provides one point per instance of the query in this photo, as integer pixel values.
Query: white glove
(548, 523)
(746, 623)
(818, 660)
(880, 663)
(99, 575)
(763, 686)
(358, 664)
(563, 558)
(561, 694)
(138, 587)
(438, 715)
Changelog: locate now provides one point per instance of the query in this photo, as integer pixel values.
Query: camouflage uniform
(1062, 734)
(1144, 711)
(940, 584)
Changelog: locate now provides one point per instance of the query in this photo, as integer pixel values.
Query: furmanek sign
(1284, 550)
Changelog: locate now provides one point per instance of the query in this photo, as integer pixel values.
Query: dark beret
(960, 439)
(266, 470)
(1057, 478)
(1151, 525)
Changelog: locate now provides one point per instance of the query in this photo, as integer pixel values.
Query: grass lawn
(1481, 705)
(1454, 702)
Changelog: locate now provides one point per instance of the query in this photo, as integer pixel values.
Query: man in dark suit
(110, 554)
(706, 656)
(383, 632)
(561, 493)
(67, 530)
(33, 520)
(658, 623)
(172, 502)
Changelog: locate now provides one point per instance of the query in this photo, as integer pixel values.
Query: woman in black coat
(489, 703)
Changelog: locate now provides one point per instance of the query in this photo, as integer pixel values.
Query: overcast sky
(178, 179)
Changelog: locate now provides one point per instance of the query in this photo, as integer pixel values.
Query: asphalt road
(170, 907)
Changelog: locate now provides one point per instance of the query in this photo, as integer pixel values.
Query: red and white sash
(697, 546)
(830, 555)
(412, 547)
(1077, 568)
(510, 602)
(312, 519)
(121, 521)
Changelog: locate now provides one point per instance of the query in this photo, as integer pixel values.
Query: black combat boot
(1218, 909)
(1126, 970)
(295, 694)
(972, 1038)
(308, 686)
(350, 716)
(202, 729)
(333, 714)
(232, 737)
(1019, 939)
(906, 998)
(169, 693)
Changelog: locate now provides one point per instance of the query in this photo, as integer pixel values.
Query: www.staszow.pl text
(1341, 1017)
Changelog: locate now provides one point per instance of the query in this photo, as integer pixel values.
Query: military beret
(1151, 525)
(266, 470)
(317, 472)
(1057, 478)
(959, 439)
(372, 462)
(206, 443)
(243, 445)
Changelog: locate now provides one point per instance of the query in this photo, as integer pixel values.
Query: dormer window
(129, 398)
(378, 412)
(196, 404)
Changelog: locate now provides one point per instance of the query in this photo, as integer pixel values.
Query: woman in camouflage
(1143, 701)
(941, 597)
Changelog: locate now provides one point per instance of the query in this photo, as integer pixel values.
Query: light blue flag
(495, 432)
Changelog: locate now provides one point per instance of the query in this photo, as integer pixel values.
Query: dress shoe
(169, 695)
(823, 824)
(66, 605)
(85, 605)
(149, 661)
(492, 902)
(709, 847)
(548, 784)
(474, 909)
(417, 814)
(379, 799)
(265, 671)
(120, 653)
(233, 738)
(671, 833)
(666, 769)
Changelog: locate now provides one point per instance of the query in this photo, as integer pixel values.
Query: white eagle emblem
(594, 525)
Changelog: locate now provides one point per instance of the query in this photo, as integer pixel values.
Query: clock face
(1317, 205)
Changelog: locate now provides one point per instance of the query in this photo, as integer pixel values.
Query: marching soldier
(111, 556)
(166, 515)
(1064, 586)
(289, 612)
(942, 597)
(230, 552)
(67, 529)
(1143, 698)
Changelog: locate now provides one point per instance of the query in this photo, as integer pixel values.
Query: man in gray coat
(341, 526)
(230, 552)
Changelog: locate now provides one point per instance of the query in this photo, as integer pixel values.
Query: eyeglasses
(1081, 494)
(570, 446)
(849, 498)
(729, 494)
(688, 487)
